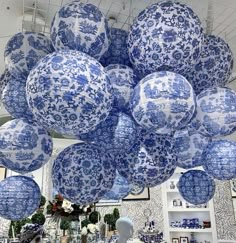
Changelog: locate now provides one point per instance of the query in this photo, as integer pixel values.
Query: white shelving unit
(173, 212)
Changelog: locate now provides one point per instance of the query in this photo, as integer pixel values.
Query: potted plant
(111, 219)
(38, 218)
(64, 225)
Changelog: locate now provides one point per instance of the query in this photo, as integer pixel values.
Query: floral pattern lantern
(165, 36)
(83, 173)
(163, 101)
(14, 100)
(19, 197)
(214, 66)
(69, 92)
(215, 112)
(116, 134)
(24, 147)
(118, 50)
(23, 51)
(189, 145)
(196, 187)
(219, 159)
(4, 79)
(123, 81)
(151, 162)
(82, 27)
(120, 189)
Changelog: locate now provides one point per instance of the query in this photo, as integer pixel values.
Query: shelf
(184, 210)
(191, 230)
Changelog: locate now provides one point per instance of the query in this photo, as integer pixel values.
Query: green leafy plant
(42, 201)
(93, 217)
(38, 218)
(111, 219)
(17, 225)
(64, 225)
(85, 223)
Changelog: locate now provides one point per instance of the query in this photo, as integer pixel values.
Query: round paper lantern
(219, 159)
(82, 27)
(24, 50)
(214, 66)
(163, 101)
(69, 92)
(4, 79)
(118, 51)
(149, 164)
(19, 197)
(14, 100)
(116, 134)
(83, 173)
(123, 81)
(215, 112)
(189, 145)
(165, 36)
(119, 190)
(196, 187)
(24, 147)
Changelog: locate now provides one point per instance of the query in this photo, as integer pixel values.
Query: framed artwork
(184, 240)
(138, 193)
(233, 188)
(175, 240)
(3, 173)
(103, 203)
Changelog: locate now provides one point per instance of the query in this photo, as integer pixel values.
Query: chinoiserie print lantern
(19, 197)
(123, 81)
(24, 50)
(214, 67)
(165, 36)
(219, 159)
(120, 189)
(196, 187)
(14, 100)
(82, 27)
(117, 134)
(69, 92)
(24, 147)
(215, 112)
(189, 145)
(163, 101)
(4, 79)
(151, 162)
(117, 52)
(83, 173)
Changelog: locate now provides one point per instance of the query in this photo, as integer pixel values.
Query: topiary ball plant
(38, 218)
(93, 217)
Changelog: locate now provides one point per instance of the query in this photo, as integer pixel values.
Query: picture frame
(3, 173)
(103, 203)
(184, 240)
(175, 240)
(233, 188)
(138, 193)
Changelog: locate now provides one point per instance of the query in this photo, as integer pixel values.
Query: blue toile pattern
(214, 67)
(82, 27)
(165, 36)
(19, 197)
(118, 49)
(69, 92)
(219, 159)
(23, 51)
(24, 147)
(196, 187)
(83, 173)
(163, 101)
(215, 112)
(5, 77)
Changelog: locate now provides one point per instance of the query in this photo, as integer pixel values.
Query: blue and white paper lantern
(123, 81)
(165, 36)
(215, 112)
(19, 197)
(151, 162)
(69, 92)
(189, 145)
(4, 79)
(214, 67)
(82, 27)
(24, 50)
(163, 101)
(14, 100)
(24, 147)
(118, 51)
(219, 159)
(120, 189)
(83, 173)
(196, 187)
(117, 134)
